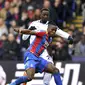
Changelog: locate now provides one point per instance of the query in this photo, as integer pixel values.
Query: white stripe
(20, 66)
(20, 73)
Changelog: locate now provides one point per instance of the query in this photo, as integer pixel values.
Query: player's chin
(52, 35)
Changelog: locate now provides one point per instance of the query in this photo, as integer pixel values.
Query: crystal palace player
(34, 63)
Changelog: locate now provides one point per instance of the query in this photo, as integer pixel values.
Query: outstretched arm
(61, 33)
(65, 35)
(25, 31)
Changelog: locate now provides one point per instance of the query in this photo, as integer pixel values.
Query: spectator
(13, 25)
(37, 14)
(16, 14)
(46, 4)
(58, 12)
(26, 3)
(24, 21)
(2, 41)
(82, 1)
(83, 30)
(30, 12)
(4, 37)
(1, 50)
(1, 4)
(60, 50)
(15, 3)
(79, 49)
(6, 13)
(11, 48)
(38, 3)
(75, 33)
(78, 10)
(83, 11)
(71, 47)
(71, 4)
(3, 28)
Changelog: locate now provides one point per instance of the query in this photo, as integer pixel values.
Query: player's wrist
(70, 40)
(20, 30)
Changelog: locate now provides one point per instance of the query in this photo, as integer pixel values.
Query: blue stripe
(50, 39)
(29, 48)
(40, 45)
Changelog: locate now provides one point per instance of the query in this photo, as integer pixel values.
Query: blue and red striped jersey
(40, 43)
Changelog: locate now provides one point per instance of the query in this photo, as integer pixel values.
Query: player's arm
(64, 34)
(25, 31)
(31, 27)
(61, 33)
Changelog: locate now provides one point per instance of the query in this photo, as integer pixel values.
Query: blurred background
(69, 15)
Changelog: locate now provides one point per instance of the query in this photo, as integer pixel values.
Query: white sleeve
(25, 37)
(61, 33)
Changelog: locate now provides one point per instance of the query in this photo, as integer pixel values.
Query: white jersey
(40, 26)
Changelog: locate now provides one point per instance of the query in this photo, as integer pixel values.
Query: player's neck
(44, 22)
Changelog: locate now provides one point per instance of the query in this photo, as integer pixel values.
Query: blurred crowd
(20, 13)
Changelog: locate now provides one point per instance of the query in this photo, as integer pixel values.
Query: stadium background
(69, 15)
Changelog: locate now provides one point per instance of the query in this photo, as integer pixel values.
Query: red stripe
(35, 44)
(41, 49)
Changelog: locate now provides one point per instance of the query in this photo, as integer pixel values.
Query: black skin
(50, 69)
(44, 16)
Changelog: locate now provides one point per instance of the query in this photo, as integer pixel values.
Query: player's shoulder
(42, 33)
(34, 24)
(52, 22)
(36, 21)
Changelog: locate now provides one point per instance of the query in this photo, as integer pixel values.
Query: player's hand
(16, 29)
(70, 40)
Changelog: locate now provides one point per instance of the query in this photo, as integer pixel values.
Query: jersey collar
(44, 23)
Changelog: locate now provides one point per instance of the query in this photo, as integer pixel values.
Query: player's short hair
(44, 9)
(4, 34)
(51, 26)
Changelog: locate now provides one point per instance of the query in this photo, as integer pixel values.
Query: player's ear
(48, 29)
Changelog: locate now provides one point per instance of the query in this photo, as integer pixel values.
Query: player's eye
(45, 14)
(53, 29)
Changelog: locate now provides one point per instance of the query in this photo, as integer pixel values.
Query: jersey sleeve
(40, 34)
(61, 33)
(31, 24)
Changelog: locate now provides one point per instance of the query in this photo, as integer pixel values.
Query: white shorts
(46, 56)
